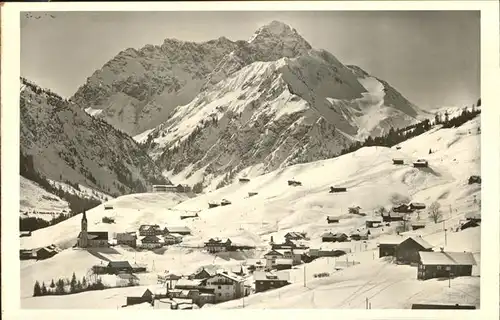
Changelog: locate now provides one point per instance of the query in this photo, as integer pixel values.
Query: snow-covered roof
(284, 261)
(268, 276)
(230, 276)
(473, 215)
(420, 241)
(188, 282)
(447, 258)
(392, 240)
(178, 229)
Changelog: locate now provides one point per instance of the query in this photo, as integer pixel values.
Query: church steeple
(83, 240)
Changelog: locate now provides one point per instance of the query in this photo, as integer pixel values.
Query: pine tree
(52, 284)
(44, 289)
(84, 283)
(73, 283)
(79, 286)
(437, 120)
(60, 286)
(37, 291)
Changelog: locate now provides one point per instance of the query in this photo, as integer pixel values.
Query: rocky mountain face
(64, 143)
(215, 110)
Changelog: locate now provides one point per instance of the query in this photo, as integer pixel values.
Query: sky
(431, 57)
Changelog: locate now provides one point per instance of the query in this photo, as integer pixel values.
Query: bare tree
(435, 212)
(381, 211)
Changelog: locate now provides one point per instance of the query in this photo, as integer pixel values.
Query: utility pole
(304, 275)
(366, 303)
(445, 238)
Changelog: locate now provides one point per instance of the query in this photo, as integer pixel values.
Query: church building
(91, 239)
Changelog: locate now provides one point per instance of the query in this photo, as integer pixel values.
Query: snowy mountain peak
(279, 33)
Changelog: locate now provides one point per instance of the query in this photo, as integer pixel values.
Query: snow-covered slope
(371, 180)
(34, 198)
(68, 145)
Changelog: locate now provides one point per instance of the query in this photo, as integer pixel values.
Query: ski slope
(371, 180)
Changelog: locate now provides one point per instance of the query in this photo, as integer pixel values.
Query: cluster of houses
(150, 236)
(414, 250)
(215, 245)
(208, 285)
(39, 253)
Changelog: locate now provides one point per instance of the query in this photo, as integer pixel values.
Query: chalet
(444, 264)
(147, 296)
(204, 273)
(164, 188)
(274, 255)
(44, 253)
(393, 216)
(328, 237)
(217, 245)
(398, 161)
(225, 202)
(91, 239)
(182, 230)
(416, 206)
(213, 205)
(387, 246)
(472, 216)
(188, 216)
(136, 268)
(420, 163)
(417, 225)
(474, 179)
(295, 236)
(107, 220)
(172, 238)
(294, 183)
(25, 234)
(116, 267)
(251, 194)
(320, 253)
(360, 235)
(398, 147)
(125, 279)
(187, 284)
(407, 252)
(244, 180)
(283, 264)
(226, 286)
(337, 189)
(265, 281)
(469, 224)
(27, 254)
(151, 242)
(127, 238)
(183, 188)
(442, 306)
(256, 264)
(331, 219)
(108, 207)
(341, 237)
(402, 208)
(287, 245)
(373, 222)
(150, 230)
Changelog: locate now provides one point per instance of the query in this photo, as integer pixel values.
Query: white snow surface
(35, 198)
(371, 180)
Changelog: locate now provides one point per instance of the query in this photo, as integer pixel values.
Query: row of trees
(67, 286)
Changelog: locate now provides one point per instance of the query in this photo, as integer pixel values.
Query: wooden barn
(387, 246)
(244, 180)
(421, 163)
(251, 194)
(328, 237)
(402, 208)
(417, 206)
(443, 264)
(417, 225)
(373, 223)
(294, 183)
(337, 189)
(213, 205)
(393, 216)
(398, 161)
(331, 219)
(407, 252)
(225, 202)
